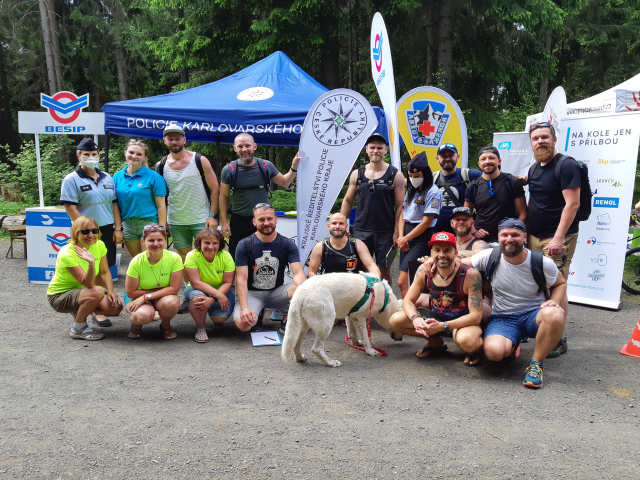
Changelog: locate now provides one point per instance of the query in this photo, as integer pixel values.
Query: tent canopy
(269, 99)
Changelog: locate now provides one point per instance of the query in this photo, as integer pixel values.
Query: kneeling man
(520, 307)
(455, 295)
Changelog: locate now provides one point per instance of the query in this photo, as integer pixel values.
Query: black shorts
(380, 244)
(241, 227)
(441, 317)
(418, 247)
(106, 235)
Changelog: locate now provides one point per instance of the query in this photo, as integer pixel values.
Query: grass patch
(12, 208)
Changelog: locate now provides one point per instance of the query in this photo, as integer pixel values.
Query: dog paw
(301, 359)
(334, 363)
(372, 353)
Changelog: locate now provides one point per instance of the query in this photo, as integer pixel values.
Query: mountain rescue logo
(338, 120)
(428, 121)
(64, 107)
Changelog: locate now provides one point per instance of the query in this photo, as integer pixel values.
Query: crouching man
(455, 297)
(520, 307)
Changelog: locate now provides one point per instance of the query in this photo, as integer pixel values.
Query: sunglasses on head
(539, 124)
(154, 228)
(260, 206)
(86, 231)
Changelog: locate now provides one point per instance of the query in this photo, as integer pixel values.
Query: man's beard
(543, 154)
(448, 166)
(376, 158)
(462, 231)
(177, 148)
(449, 261)
(337, 233)
(489, 169)
(266, 230)
(245, 162)
(511, 254)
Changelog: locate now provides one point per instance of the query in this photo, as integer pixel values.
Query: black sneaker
(283, 326)
(258, 326)
(184, 308)
(559, 349)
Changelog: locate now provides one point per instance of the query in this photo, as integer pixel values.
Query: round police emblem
(254, 94)
(338, 120)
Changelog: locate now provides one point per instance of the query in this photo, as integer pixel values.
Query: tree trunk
(184, 73)
(544, 84)
(445, 42)
(330, 76)
(7, 133)
(96, 105)
(55, 46)
(433, 16)
(121, 59)
(46, 33)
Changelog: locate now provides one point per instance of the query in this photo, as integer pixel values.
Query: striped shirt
(188, 204)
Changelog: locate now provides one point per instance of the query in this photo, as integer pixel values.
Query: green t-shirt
(62, 280)
(150, 275)
(211, 273)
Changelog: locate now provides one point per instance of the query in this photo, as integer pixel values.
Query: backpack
(393, 170)
(284, 247)
(160, 170)
(438, 176)
(462, 272)
(585, 187)
(353, 249)
(536, 269)
(263, 169)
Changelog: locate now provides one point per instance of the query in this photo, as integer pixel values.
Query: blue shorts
(184, 235)
(132, 227)
(515, 326)
(214, 308)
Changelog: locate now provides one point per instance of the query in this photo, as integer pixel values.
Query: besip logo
(377, 51)
(58, 240)
(64, 107)
(47, 220)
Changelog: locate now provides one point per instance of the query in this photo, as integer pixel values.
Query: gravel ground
(151, 408)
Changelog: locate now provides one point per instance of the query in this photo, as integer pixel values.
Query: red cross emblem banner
(429, 117)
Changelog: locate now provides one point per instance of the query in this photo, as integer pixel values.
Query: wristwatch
(148, 296)
(117, 229)
(445, 327)
(214, 215)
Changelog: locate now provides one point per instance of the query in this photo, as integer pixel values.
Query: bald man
(249, 179)
(340, 253)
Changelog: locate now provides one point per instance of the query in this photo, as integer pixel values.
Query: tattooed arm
(477, 247)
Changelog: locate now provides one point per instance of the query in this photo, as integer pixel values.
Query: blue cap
(512, 223)
(447, 146)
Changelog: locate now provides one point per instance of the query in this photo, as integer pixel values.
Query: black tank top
(340, 261)
(376, 209)
(470, 245)
(450, 299)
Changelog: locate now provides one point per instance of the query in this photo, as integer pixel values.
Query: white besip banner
(515, 152)
(334, 132)
(609, 146)
(382, 72)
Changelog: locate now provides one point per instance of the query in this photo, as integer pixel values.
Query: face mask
(90, 162)
(416, 182)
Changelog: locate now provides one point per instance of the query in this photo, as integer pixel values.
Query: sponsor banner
(335, 130)
(627, 100)
(515, 152)
(382, 71)
(609, 147)
(429, 117)
(48, 230)
(64, 115)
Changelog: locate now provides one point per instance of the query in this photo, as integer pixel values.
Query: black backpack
(160, 170)
(536, 269)
(392, 170)
(233, 170)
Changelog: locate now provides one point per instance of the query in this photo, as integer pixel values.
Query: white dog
(323, 298)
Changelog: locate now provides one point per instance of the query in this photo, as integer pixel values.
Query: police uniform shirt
(92, 199)
(429, 205)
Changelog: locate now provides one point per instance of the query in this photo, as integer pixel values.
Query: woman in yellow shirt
(211, 271)
(152, 283)
(74, 289)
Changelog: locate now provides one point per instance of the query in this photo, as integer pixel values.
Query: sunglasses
(260, 206)
(490, 185)
(564, 260)
(154, 228)
(87, 231)
(372, 186)
(539, 124)
(136, 142)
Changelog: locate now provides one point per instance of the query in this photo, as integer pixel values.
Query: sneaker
(258, 326)
(559, 349)
(534, 375)
(283, 326)
(84, 335)
(184, 308)
(277, 316)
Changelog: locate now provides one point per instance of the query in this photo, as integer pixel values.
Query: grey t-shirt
(244, 199)
(514, 288)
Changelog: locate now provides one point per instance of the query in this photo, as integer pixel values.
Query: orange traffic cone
(633, 347)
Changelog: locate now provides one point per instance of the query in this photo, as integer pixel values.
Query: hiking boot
(559, 349)
(184, 308)
(258, 326)
(534, 375)
(84, 335)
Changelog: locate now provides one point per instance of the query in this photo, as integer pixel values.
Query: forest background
(499, 59)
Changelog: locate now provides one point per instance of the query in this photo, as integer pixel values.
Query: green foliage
(283, 200)
(13, 208)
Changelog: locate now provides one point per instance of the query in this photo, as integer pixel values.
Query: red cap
(444, 237)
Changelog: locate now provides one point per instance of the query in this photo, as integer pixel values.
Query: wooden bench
(14, 225)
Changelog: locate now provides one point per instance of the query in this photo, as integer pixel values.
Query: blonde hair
(81, 223)
(134, 142)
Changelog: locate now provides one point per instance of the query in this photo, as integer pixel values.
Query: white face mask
(91, 162)
(416, 182)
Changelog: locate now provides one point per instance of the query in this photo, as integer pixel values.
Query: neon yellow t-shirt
(62, 280)
(150, 275)
(211, 273)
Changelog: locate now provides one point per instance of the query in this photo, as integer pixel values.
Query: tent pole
(39, 170)
(218, 166)
(106, 152)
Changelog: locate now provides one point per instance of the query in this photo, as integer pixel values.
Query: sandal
(201, 335)
(135, 331)
(432, 351)
(472, 357)
(168, 333)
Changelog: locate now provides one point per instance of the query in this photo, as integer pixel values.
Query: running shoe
(559, 349)
(534, 375)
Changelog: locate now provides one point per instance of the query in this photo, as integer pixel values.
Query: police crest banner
(609, 147)
(429, 117)
(334, 132)
(382, 71)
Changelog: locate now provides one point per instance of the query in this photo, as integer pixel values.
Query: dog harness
(371, 281)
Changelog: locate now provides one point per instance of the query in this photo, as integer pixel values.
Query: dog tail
(294, 323)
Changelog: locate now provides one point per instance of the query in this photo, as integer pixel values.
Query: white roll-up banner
(515, 152)
(334, 132)
(609, 147)
(382, 71)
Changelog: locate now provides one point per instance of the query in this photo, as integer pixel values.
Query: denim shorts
(214, 308)
(514, 326)
(184, 235)
(132, 227)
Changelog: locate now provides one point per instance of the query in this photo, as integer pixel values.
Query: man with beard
(249, 178)
(495, 195)
(462, 224)
(380, 190)
(520, 308)
(452, 183)
(455, 297)
(340, 253)
(554, 200)
(261, 260)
